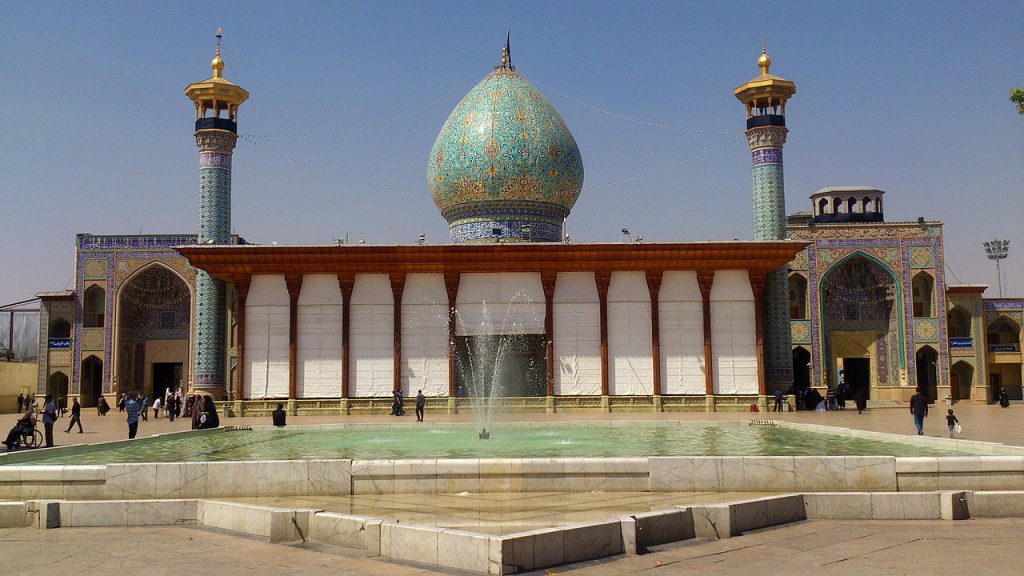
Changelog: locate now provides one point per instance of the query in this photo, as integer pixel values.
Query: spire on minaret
(217, 64)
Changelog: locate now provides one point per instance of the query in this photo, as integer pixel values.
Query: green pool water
(369, 442)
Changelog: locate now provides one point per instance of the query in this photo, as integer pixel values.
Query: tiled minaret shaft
(216, 104)
(764, 98)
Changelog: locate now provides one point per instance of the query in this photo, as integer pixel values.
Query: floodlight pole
(997, 250)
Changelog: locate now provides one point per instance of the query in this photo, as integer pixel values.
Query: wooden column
(548, 279)
(242, 292)
(294, 283)
(451, 284)
(654, 287)
(397, 288)
(603, 281)
(345, 281)
(705, 278)
(757, 285)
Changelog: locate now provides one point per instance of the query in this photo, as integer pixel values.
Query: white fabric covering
(425, 335)
(733, 336)
(681, 323)
(319, 337)
(577, 335)
(266, 338)
(500, 303)
(631, 367)
(372, 337)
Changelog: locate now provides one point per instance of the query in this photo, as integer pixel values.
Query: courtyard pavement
(836, 548)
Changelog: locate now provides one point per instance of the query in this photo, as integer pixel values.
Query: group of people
(398, 404)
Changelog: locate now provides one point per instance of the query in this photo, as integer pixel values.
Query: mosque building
(836, 295)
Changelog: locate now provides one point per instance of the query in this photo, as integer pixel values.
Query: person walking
(132, 408)
(21, 402)
(919, 408)
(778, 401)
(62, 406)
(421, 403)
(171, 407)
(76, 416)
(121, 401)
(1004, 399)
(860, 397)
(145, 408)
(102, 407)
(49, 418)
(952, 423)
(156, 408)
(279, 417)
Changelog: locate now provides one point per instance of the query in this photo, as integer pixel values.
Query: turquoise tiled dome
(505, 160)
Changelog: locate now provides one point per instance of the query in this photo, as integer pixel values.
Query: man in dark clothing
(21, 402)
(279, 416)
(76, 416)
(778, 401)
(49, 417)
(919, 408)
(421, 402)
(132, 407)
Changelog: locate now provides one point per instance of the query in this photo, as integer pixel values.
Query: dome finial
(764, 61)
(217, 64)
(506, 52)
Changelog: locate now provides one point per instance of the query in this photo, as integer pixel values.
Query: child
(952, 423)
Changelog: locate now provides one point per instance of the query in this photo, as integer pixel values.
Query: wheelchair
(33, 439)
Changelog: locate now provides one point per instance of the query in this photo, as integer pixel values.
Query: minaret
(215, 136)
(765, 100)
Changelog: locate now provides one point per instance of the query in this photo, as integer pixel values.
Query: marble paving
(500, 513)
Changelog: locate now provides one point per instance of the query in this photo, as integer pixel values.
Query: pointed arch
(898, 306)
(923, 292)
(958, 322)
(122, 357)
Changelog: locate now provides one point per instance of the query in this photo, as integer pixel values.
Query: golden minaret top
(216, 95)
(767, 93)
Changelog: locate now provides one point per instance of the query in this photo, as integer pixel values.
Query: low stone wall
(177, 480)
(524, 551)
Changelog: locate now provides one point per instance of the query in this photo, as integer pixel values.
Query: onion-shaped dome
(505, 166)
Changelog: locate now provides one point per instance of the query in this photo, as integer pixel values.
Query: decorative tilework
(926, 330)
(214, 228)
(504, 143)
(90, 242)
(800, 331)
(95, 269)
(767, 156)
(921, 257)
(483, 230)
(770, 224)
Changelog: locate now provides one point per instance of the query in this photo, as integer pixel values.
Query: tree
(1017, 97)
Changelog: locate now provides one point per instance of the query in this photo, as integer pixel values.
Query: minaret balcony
(215, 123)
(766, 120)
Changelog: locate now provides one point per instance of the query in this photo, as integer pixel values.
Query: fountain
(482, 367)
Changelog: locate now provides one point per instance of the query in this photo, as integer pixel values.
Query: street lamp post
(997, 250)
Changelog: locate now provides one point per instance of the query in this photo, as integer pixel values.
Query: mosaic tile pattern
(483, 230)
(215, 149)
(504, 142)
(770, 224)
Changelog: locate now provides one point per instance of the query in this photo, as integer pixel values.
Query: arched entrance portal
(927, 372)
(860, 314)
(57, 385)
(92, 380)
(801, 368)
(153, 332)
(961, 379)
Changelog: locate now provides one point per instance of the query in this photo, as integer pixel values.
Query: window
(922, 286)
(959, 323)
(797, 297)
(93, 307)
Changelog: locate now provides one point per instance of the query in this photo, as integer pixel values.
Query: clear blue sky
(96, 136)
